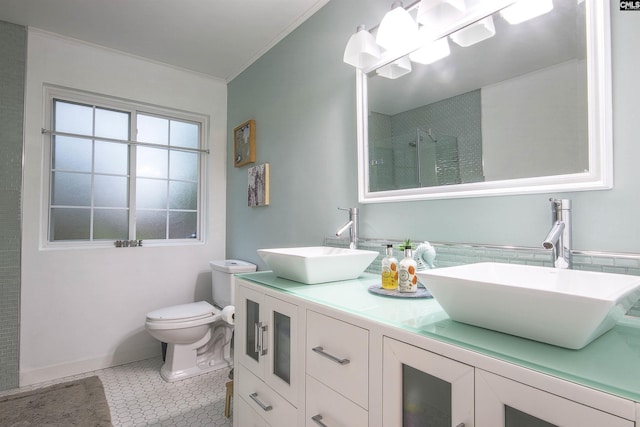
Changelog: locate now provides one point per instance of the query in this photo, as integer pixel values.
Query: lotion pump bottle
(407, 281)
(389, 270)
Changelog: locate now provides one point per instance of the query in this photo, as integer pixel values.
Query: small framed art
(258, 188)
(244, 143)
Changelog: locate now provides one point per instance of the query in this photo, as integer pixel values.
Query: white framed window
(121, 170)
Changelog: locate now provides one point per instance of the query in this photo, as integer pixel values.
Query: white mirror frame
(600, 174)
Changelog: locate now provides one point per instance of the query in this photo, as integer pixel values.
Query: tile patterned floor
(138, 396)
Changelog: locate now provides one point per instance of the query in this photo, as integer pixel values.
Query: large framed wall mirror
(527, 109)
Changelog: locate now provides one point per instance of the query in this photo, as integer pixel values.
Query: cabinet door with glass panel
(268, 339)
(421, 388)
(504, 402)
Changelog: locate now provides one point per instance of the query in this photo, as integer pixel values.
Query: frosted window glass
(111, 224)
(152, 162)
(71, 189)
(183, 195)
(111, 158)
(153, 130)
(73, 118)
(151, 194)
(184, 134)
(112, 124)
(70, 224)
(110, 191)
(183, 165)
(71, 154)
(151, 225)
(183, 225)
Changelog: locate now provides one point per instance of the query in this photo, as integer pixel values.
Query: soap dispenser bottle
(389, 270)
(407, 279)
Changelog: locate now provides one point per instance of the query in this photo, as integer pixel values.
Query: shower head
(430, 135)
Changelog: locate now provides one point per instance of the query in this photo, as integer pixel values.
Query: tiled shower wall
(12, 76)
(459, 117)
(452, 254)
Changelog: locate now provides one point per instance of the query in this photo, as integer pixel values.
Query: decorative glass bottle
(389, 270)
(407, 279)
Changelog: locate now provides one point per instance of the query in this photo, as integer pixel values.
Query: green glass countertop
(610, 364)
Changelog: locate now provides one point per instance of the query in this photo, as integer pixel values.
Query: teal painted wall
(302, 97)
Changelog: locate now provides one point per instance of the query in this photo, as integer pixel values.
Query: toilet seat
(183, 316)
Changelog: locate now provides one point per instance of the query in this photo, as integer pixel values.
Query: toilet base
(171, 376)
(210, 353)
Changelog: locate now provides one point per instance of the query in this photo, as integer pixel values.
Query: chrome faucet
(352, 226)
(559, 237)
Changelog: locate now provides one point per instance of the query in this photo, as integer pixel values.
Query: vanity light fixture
(474, 33)
(524, 10)
(397, 28)
(432, 52)
(435, 15)
(361, 50)
(395, 69)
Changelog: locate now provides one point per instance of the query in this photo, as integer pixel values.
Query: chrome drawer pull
(460, 425)
(318, 420)
(254, 397)
(263, 342)
(321, 352)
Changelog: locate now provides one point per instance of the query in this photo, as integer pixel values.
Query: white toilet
(198, 335)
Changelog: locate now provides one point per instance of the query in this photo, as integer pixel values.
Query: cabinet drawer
(272, 407)
(244, 416)
(340, 359)
(331, 408)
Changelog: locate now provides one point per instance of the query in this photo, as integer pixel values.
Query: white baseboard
(54, 372)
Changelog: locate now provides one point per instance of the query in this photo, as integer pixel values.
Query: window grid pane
(97, 193)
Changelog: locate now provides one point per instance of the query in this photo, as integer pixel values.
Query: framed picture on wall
(258, 188)
(244, 143)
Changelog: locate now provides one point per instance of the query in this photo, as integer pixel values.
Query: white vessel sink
(317, 264)
(567, 308)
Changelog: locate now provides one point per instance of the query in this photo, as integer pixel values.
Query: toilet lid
(192, 311)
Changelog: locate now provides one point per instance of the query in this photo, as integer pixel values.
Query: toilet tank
(222, 283)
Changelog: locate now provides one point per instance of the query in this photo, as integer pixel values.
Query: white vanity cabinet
(421, 388)
(346, 369)
(337, 368)
(266, 344)
(504, 402)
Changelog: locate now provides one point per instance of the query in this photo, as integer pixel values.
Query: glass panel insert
(253, 313)
(516, 418)
(426, 400)
(282, 346)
